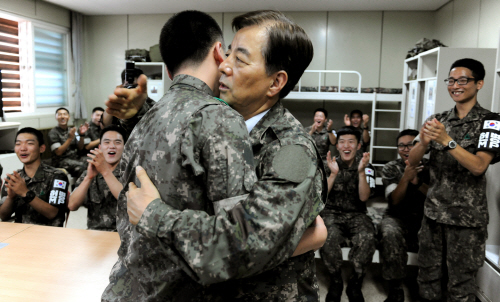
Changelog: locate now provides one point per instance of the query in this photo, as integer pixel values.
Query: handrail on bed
(340, 72)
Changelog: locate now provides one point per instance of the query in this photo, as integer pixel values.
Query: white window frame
(43, 112)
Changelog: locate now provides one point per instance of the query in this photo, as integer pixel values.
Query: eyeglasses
(461, 81)
(401, 147)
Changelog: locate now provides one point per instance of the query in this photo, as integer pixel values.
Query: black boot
(353, 289)
(396, 293)
(335, 289)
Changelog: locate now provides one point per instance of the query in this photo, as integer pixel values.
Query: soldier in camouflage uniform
(37, 193)
(65, 145)
(197, 150)
(94, 132)
(237, 242)
(405, 190)
(100, 184)
(462, 142)
(351, 182)
(324, 137)
(360, 121)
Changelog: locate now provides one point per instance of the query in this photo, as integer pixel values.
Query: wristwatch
(451, 145)
(30, 195)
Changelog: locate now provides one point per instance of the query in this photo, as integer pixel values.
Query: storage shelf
(387, 129)
(384, 147)
(387, 110)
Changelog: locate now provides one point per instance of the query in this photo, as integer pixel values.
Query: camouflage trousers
(397, 237)
(75, 167)
(359, 229)
(455, 250)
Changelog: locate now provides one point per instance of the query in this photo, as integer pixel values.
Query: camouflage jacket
(51, 186)
(251, 236)
(195, 150)
(413, 202)
(322, 141)
(101, 203)
(344, 196)
(57, 137)
(94, 132)
(455, 195)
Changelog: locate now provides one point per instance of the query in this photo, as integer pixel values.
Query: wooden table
(53, 264)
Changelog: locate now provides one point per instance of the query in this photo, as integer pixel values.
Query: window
(50, 68)
(33, 63)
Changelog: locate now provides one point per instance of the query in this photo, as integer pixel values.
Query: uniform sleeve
(371, 177)
(58, 190)
(54, 140)
(390, 179)
(257, 233)
(489, 138)
(80, 179)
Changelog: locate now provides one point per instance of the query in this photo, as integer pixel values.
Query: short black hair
(356, 111)
(137, 73)
(35, 132)
(62, 108)
(116, 128)
(321, 110)
(411, 132)
(288, 46)
(476, 67)
(187, 37)
(97, 109)
(349, 130)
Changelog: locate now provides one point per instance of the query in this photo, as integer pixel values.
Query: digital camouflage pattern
(447, 202)
(399, 228)
(281, 205)
(195, 150)
(355, 226)
(69, 160)
(323, 143)
(94, 132)
(344, 196)
(47, 189)
(456, 209)
(461, 249)
(101, 203)
(365, 147)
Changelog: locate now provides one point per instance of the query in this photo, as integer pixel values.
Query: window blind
(9, 65)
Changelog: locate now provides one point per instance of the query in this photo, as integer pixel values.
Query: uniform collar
(267, 121)
(473, 114)
(343, 165)
(187, 80)
(39, 174)
(61, 129)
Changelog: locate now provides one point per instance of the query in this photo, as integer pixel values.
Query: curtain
(77, 45)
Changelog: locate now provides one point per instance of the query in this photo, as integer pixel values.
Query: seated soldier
(350, 184)
(405, 190)
(64, 144)
(37, 192)
(360, 121)
(94, 131)
(323, 134)
(100, 184)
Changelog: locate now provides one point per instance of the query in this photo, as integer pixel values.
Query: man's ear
(219, 53)
(42, 148)
(169, 74)
(480, 84)
(280, 79)
(359, 146)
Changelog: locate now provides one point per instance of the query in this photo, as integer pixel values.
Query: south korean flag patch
(60, 184)
(370, 176)
(489, 138)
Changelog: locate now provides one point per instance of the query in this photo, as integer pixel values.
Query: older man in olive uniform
(249, 236)
(405, 190)
(37, 192)
(462, 142)
(197, 151)
(350, 184)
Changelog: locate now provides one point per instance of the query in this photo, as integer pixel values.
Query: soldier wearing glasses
(405, 190)
(462, 143)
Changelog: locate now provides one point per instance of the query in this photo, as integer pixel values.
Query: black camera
(130, 75)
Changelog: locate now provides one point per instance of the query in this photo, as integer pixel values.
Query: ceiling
(129, 7)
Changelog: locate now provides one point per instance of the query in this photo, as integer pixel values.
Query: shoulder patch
(292, 163)
(60, 184)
